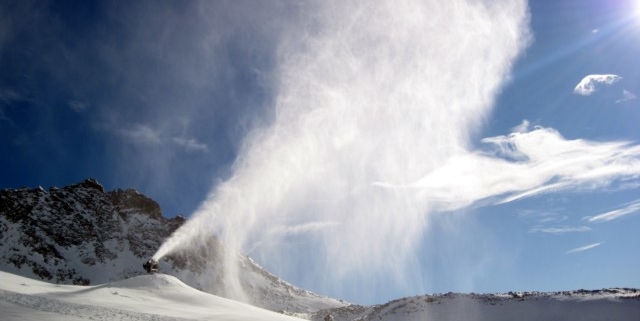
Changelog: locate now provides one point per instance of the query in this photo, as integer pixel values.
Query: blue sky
(206, 108)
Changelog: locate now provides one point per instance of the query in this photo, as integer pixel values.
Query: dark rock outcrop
(72, 234)
(81, 234)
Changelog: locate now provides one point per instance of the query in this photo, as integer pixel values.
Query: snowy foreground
(164, 297)
(148, 297)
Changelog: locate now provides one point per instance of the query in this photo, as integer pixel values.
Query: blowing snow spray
(366, 103)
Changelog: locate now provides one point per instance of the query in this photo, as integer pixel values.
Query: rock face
(81, 234)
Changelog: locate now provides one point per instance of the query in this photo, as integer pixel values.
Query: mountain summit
(82, 235)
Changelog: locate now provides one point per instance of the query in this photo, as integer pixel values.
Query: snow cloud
(591, 83)
(355, 102)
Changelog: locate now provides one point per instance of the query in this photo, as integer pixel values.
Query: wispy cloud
(540, 217)
(589, 84)
(522, 128)
(524, 165)
(626, 96)
(584, 248)
(191, 144)
(143, 134)
(78, 106)
(629, 208)
(559, 230)
(8, 96)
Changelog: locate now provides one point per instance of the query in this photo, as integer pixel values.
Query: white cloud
(589, 84)
(522, 128)
(630, 208)
(143, 134)
(541, 217)
(560, 230)
(626, 95)
(548, 162)
(191, 144)
(584, 248)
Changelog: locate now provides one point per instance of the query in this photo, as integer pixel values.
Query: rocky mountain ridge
(81, 234)
(604, 304)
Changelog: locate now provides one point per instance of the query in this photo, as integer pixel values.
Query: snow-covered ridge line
(163, 297)
(82, 234)
(604, 304)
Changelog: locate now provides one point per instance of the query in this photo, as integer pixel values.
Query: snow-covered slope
(607, 304)
(82, 235)
(164, 297)
(148, 297)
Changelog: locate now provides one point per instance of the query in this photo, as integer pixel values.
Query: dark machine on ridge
(151, 266)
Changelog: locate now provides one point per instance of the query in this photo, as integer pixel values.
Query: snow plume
(384, 92)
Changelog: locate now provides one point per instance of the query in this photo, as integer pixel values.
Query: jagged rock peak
(132, 199)
(89, 183)
(79, 234)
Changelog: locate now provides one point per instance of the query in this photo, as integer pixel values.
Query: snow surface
(568, 306)
(164, 297)
(148, 297)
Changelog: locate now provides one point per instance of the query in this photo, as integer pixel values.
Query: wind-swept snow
(163, 297)
(149, 297)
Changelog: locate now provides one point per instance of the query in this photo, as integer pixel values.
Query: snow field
(149, 297)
